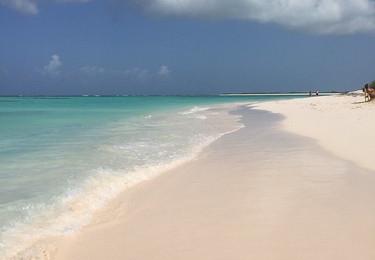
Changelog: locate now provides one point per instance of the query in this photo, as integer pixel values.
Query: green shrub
(372, 84)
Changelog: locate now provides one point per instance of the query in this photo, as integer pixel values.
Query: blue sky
(184, 46)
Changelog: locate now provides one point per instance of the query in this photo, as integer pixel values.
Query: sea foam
(151, 154)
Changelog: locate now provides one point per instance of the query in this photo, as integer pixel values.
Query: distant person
(367, 95)
(310, 93)
(317, 93)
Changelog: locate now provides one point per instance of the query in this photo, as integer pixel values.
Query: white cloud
(321, 16)
(31, 6)
(134, 73)
(137, 73)
(23, 6)
(92, 70)
(164, 71)
(54, 66)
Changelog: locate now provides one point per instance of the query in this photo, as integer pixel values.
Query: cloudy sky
(184, 46)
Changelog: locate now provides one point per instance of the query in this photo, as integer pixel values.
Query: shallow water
(61, 158)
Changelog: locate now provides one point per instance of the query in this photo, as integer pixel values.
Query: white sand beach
(297, 182)
(341, 124)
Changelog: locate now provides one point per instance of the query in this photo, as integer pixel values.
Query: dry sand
(259, 193)
(341, 124)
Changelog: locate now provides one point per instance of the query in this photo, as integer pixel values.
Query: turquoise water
(61, 158)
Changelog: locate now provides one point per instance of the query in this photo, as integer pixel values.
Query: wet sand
(258, 193)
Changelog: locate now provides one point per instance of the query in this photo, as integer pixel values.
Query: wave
(194, 110)
(75, 208)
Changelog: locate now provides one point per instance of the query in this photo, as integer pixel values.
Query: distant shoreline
(281, 94)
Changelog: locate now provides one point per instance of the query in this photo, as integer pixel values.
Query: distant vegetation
(372, 84)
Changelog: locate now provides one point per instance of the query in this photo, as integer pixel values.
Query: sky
(184, 47)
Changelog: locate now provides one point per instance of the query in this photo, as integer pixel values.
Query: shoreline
(43, 246)
(244, 196)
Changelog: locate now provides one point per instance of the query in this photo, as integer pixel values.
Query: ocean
(63, 158)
